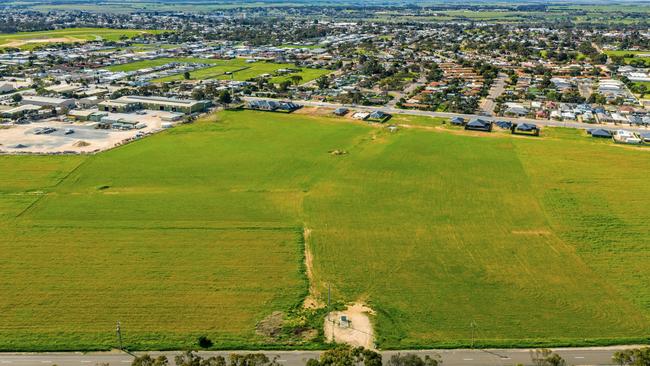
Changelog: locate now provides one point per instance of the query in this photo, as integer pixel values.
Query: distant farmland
(199, 231)
(29, 40)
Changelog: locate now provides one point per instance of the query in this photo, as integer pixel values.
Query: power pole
(473, 325)
(119, 334)
(329, 309)
(329, 296)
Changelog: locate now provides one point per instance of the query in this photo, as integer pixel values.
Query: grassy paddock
(198, 230)
(240, 70)
(29, 40)
(137, 65)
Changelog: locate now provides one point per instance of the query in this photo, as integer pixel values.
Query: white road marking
(85, 361)
(125, 361)
(46, 361)
(5, 361)
(579, 357)
(468, 359)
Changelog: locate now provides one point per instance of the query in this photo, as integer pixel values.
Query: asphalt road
(458, 357)
(538, 122)
(487, 106)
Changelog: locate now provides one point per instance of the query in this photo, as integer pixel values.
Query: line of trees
(632, 357)
(344, 355)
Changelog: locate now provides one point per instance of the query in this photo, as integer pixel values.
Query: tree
(632, 357)
(414, 360)
(188, 358)
(345, 355)
(622, 358)
(284, 85)
(296, 79)
(514, 78)
(323, 82)
(555, 360)
(546, 357)
(251, 359)
(538, 356)
(204, 342)
(546, 81)
(597, 98)
(16, 97)
(186, 75)
(198, 94)
(146, 360)
(640, 89)
(225, 98)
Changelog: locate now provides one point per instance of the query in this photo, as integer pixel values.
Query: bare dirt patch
(271, 326)
(311, 301)
(18, 43)
(358, 331)
(314, 111)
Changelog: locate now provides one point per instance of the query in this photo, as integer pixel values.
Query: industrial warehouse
(58, 124)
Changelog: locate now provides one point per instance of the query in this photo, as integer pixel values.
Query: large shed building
(187, 106)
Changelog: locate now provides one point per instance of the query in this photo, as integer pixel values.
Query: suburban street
(487, 106)
(392, 110)
(457, 357)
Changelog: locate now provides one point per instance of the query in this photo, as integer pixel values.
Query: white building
(48, 101)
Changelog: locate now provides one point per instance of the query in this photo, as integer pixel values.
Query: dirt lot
(358, 331)
(18, 43)
(85, 138)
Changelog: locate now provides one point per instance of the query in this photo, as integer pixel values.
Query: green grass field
(256, 69)
(637, 55)
(240, 70)
(138, 65)
(211, 72)
(197, 230)
(306, 74)
(30, 40)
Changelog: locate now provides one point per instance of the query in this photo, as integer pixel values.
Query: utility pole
(119, 334)
(473, 325)
(329, 296)
(329, 309)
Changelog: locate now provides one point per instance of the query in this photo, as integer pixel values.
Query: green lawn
(198, 230)
(29, 40)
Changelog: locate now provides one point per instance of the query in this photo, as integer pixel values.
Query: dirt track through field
(311, 301)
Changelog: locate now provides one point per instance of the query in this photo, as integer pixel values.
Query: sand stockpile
(81, 144)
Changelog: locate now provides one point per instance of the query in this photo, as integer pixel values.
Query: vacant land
(145, 64)
(254, 70)
(198, 230)
(211, 72)
(29, 40)
(307, 75)
(234, 69)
